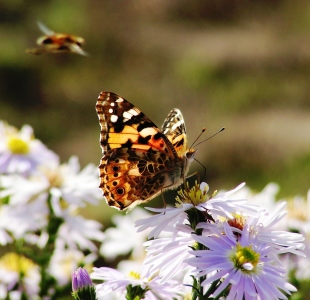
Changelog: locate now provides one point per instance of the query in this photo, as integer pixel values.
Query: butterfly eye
(190, 154)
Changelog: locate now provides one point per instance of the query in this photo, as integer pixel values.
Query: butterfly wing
(138, 158)
(174, 129)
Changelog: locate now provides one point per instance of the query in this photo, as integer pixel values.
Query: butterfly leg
(164, 201)
(193, 174)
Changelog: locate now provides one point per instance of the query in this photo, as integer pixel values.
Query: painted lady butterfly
(140, 161)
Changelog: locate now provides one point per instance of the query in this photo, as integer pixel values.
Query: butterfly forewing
(139, 160)
(124, 126)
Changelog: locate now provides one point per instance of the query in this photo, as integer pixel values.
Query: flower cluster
(207, 247)
(222, 245)
(40, 201)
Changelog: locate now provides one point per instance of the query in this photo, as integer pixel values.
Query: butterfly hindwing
(130, 176)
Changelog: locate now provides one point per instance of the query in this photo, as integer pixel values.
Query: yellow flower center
(134, 275)
(16, 263)
(194, 195)
(245, 258)
(18, 145)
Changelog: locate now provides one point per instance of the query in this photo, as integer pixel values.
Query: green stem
(54, 223)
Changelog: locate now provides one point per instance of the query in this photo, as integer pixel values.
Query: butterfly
(57, 42)
(139, 160)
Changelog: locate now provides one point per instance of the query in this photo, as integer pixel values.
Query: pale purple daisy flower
(115, 281)
(217, 205)
(80, 279)
(261, 228)
(168, 254)
(82, 285)
(165, 221)
(123, 239)
(246, 267)
(20, 152)
(223, 205)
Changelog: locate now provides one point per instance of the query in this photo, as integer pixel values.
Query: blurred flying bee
(57, 42)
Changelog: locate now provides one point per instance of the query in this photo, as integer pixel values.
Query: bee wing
(77, 49)
(45, 29)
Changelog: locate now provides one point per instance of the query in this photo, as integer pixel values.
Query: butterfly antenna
(222, 129)
(202, 131)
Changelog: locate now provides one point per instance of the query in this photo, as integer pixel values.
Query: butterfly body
(140, 161)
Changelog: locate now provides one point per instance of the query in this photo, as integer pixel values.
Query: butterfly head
(190, 154)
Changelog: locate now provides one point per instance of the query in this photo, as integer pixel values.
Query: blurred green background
(240, 64)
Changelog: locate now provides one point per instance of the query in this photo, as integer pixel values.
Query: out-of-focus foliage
(240, 64)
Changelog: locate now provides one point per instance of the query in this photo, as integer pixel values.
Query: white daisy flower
(222, 205)
(165, 221)
(261, 228)
(196, 197)
(77, 232)
(64, 182)
(65, 261)
(73, 185)
(143, 284)
(24, 218)
(20, 152)
(248, 268)
(168, 255)
(123, 238)
(23, 190)
(12, 266)
(265, 198)
(5, 238)
(298, 219)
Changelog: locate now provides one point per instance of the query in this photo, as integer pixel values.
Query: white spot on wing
(114, 118)
(112, 104)
(133, 112)
(148, 131)
(110, 110)
(119, 100)
(127, 115)
(176, 125)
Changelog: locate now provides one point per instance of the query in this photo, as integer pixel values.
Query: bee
(57, 42)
